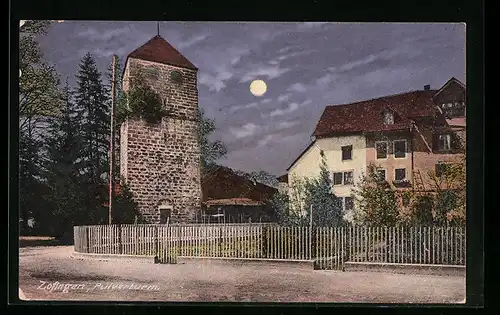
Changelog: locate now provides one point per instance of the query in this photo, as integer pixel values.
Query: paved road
(45, 271)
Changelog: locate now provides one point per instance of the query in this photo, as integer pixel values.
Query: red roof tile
(159, 50)
(223, 183)
(367, 116)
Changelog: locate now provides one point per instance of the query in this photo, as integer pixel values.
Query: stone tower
(161, 162)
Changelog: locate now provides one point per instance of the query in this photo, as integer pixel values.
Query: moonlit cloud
(266, 140)
(284, 97)
(287, 124)
(297, 87)
(294, 54)
(245, 130)
(192, 41)
(326, 79)
(289, 109)
(215, 83)
(103, 36)
(246, 106)
(267, 72)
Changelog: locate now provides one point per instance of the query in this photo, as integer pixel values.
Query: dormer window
(388, 117)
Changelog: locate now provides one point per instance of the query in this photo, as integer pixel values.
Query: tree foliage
(93, 107)
(39, 94)
(451, 192)
(39, 97)
(376, 201)
(294, 206)
(444, 203)
(210, 150)
(141, 101)
(64, 195)
(127, 211)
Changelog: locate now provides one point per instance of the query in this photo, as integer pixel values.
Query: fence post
(312, 241)
(87, 237)
(178, 228)
(263, 237)
(219, 243)
(156, 242)
(119, 238)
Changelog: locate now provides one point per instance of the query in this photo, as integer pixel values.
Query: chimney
(427, 87)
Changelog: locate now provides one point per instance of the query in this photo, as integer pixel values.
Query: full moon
(258, 87)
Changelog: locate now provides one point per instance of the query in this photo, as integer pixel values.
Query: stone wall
(161, 162)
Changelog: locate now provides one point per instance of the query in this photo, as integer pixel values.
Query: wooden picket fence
(330, 247)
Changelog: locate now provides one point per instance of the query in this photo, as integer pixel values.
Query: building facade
(408, 136)
(161, 162)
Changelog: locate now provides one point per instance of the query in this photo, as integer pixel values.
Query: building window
(444, 142)
(381, 148)
(400, 174)
(337, 178)
(346, 152)
(388, 118)
(381, 175)
(399, 148)
(343, 178)
(348, 204)
(348, 180)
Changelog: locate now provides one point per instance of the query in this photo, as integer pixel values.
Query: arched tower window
(176, 77)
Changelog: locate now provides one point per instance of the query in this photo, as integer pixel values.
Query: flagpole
(112, 140)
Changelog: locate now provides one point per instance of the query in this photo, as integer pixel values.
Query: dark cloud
(305, 65)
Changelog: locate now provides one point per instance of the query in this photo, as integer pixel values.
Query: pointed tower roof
(159, 50)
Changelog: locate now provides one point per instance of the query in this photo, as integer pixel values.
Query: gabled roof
(452, 80)
(159, 50)
(222, 182)
(300, 155)
(366, 116)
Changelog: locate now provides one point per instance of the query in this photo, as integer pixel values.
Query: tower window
(150, 73)
(176, 77)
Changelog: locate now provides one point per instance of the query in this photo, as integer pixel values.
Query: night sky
(306, 66)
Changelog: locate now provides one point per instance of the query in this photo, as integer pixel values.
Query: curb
(113, 257)
(440, 270)
(302, 264)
